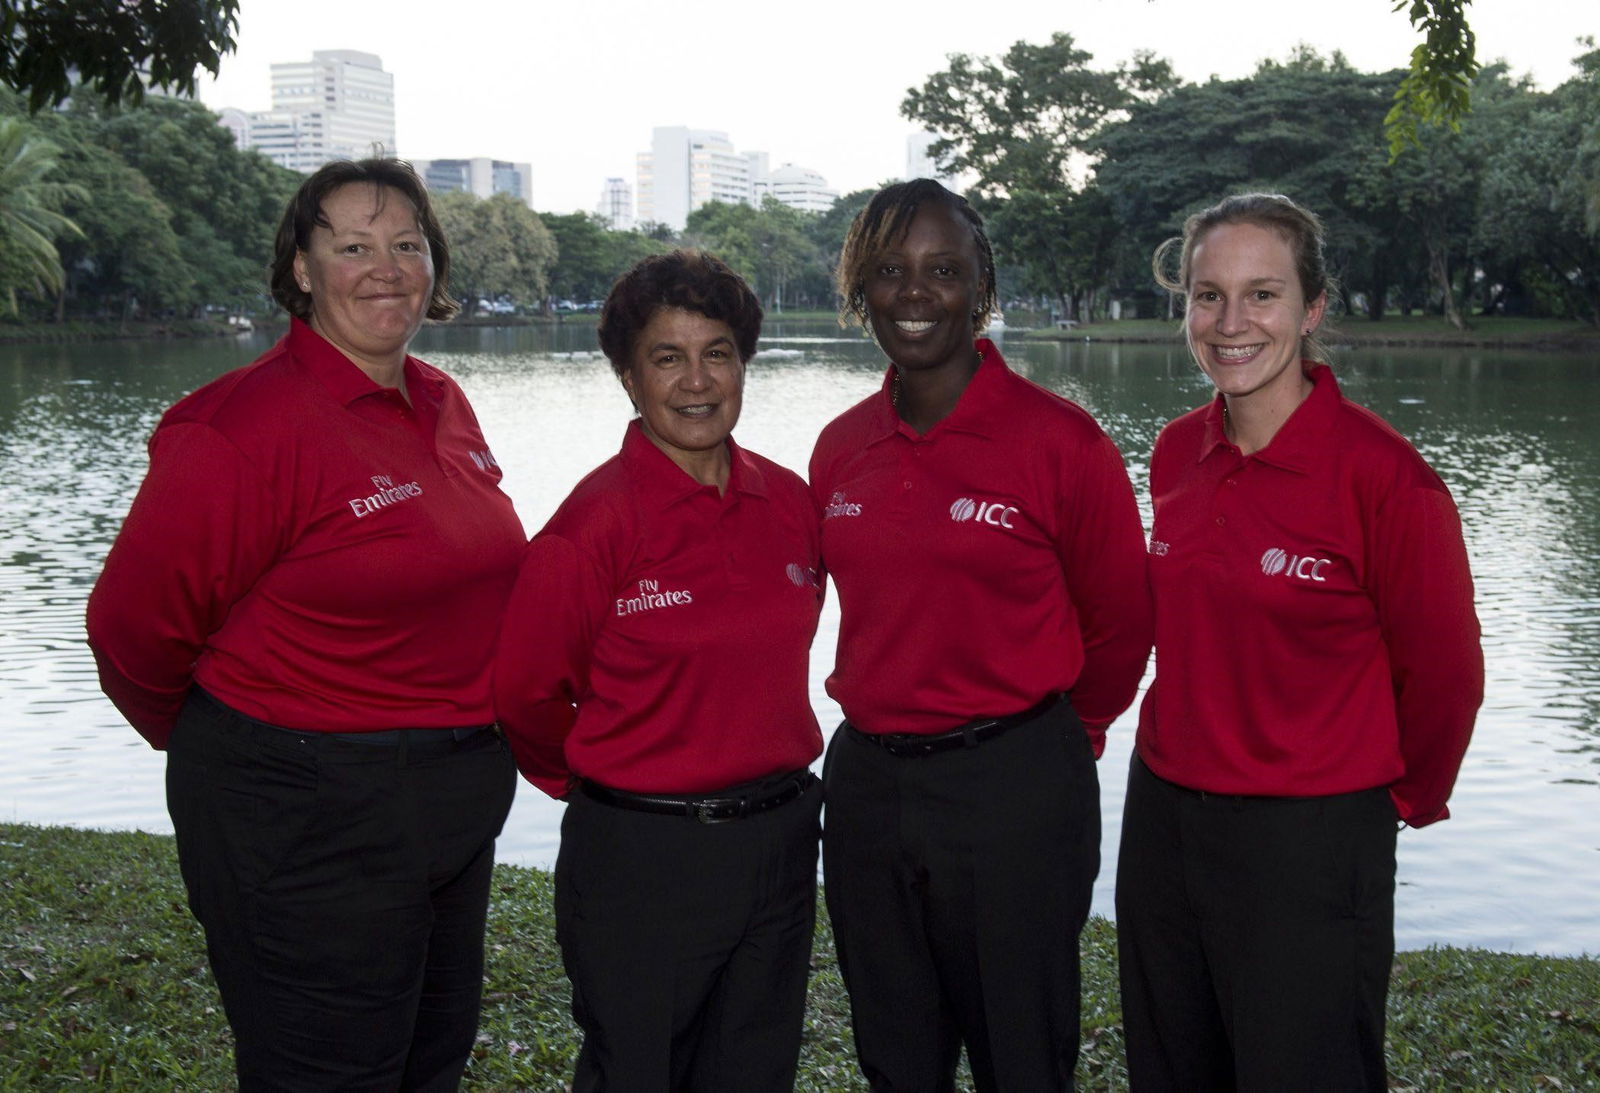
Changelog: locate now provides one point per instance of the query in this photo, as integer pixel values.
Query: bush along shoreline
(105, 981)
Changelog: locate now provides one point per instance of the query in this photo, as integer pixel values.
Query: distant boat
(241, 324)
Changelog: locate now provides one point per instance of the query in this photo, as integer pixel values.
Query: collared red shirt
(312, 550)
(1315, 632)
(983, 564)
(658, 637)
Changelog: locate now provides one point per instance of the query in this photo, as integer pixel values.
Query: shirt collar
(973, 412)
(345, 380)
(665, 482)
(1301, 442)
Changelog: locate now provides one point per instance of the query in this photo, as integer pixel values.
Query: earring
(305, 286)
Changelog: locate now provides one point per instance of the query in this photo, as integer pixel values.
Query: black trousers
(957, 884)
(687, 945)
(1256, 936)
(343, 889)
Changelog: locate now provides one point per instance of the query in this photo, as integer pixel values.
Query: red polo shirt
(312, 551)
(983, 564)
(658, 636)
(1314, 624)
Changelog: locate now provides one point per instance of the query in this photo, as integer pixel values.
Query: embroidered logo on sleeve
(838, 506)
(387, 494)
(650, 597)
(994, 513)
(484, 459)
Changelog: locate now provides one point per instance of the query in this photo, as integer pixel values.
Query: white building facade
(687, 168)
(615, 206)
(338, 105)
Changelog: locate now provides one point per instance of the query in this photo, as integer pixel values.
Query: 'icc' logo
(984, 512)
(1305, 567)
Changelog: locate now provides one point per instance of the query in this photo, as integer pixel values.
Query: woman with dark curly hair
(300, 609)
(984, 540)
(652, 672)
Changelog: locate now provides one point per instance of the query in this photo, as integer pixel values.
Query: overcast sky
(575, 87)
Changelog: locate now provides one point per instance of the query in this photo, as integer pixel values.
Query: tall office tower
(687, 168)
(338, 105)
(920, 164)
(616, 204)
(481, 176)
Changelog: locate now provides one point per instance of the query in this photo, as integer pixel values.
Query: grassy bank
(1425, 331)
(104, 981)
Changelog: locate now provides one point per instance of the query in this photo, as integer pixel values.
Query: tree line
(1080, 170)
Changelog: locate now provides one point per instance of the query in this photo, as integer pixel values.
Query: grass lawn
(105, 982)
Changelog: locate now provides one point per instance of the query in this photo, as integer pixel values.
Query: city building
(480, 175)
(687, 168)
(338, 105)
(799, 188)
(920, 163)
(615, 206)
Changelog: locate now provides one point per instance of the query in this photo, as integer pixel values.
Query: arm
(1102, 554)
(1422, 587)
(542, 662)
(200, 533)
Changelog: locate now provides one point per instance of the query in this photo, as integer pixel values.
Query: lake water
(1513, 433)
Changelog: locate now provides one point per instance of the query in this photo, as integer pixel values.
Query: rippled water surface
(1514, 435)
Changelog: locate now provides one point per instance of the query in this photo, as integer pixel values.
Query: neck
(709, 468)
(388, 371)
(1251, 421)
(924, 397)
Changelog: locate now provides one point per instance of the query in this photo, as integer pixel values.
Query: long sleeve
(1103, 556)
(1423, 590)
(200, 532)
(542, 662)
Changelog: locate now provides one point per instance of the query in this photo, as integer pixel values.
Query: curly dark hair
(305, 214)
(1296, 225)
(689, 279)
(876, 228)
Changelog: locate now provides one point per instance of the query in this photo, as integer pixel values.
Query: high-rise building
(616, 204)
(920, 162)
(687, 168)
(338, 105)
(481, 176)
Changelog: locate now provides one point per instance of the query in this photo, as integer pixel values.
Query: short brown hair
(305, 214)
(689, 279)
(877, 227)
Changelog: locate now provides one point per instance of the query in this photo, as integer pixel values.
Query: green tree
(110, 44)
(30, 216)
(590, 256)
(128, 255)
(1026, 119)
(225, 204)
(768, 246)
(498, 247)
(1437, 89)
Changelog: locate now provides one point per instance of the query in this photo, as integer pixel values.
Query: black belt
(705, 810)
(911, 745)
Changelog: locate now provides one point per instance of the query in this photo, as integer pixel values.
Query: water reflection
(1512, 434)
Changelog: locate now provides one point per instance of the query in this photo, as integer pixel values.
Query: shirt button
(1221, 520)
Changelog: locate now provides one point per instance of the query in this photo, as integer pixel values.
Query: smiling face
(687, 381)
(1247, 313)
(369, 275)
(922, 290)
